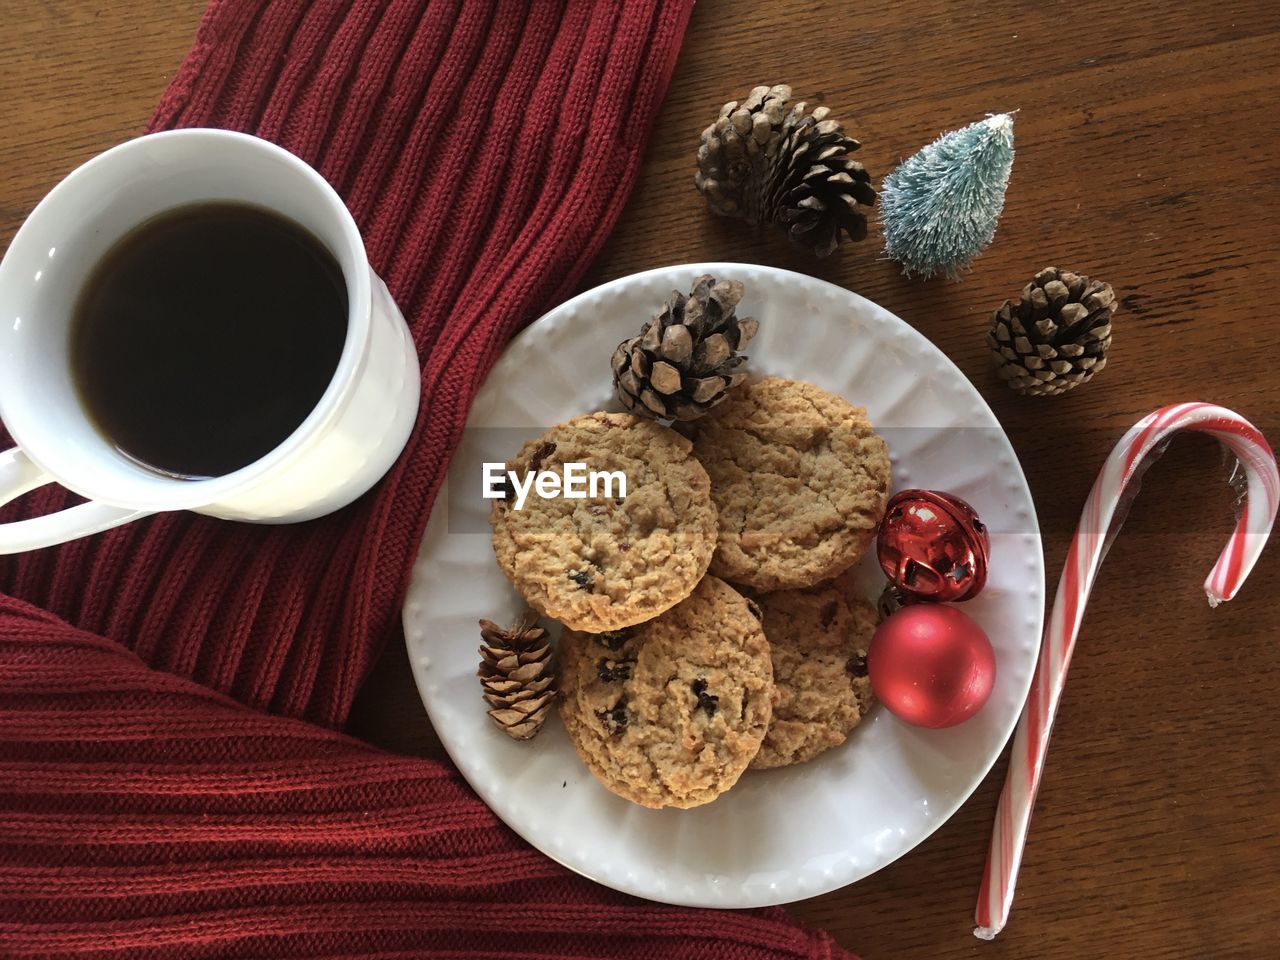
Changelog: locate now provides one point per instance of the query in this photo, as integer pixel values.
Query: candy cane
(1031, 742)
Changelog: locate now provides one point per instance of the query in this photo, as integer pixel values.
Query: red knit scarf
(144, 816)
(148, 807)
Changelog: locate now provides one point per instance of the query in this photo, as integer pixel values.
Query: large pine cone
(763, 165)
(685, 359)
(732, 160)
(517, 676)
(1056, 335)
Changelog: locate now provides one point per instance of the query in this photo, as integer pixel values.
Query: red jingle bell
(931, 665)
(932, 546)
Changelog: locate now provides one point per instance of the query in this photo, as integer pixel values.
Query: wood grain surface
(1147, 155)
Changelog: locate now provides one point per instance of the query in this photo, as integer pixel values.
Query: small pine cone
(517, 674)
(1056, 335)
(685, 359)
(762, 164)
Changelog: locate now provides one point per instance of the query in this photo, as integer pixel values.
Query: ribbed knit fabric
(143, 816)
(485, 148)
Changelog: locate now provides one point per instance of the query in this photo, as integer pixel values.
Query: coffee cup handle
(18, 475)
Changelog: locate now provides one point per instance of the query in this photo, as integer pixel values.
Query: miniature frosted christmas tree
(940, 207)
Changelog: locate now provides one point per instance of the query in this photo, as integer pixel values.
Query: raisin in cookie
(669, 713)
(799, 480)
(818, 641)
(605, 562)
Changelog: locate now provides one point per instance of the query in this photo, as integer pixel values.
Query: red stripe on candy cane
(1031, 740)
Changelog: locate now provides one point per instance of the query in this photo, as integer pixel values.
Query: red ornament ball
(931, 665)
(933, 546)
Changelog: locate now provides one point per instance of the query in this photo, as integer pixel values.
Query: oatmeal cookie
(607, 562)
(799, 480)
(818, 641)
(669, 713)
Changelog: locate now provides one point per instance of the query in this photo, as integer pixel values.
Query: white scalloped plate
(778, 835)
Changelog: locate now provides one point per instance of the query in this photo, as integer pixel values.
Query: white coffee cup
(348, 441)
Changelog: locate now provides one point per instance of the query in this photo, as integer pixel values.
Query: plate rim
(919, 339)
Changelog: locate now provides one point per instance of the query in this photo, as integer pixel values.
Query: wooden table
(1148, 144)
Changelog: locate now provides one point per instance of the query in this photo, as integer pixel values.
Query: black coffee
(206, 336)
